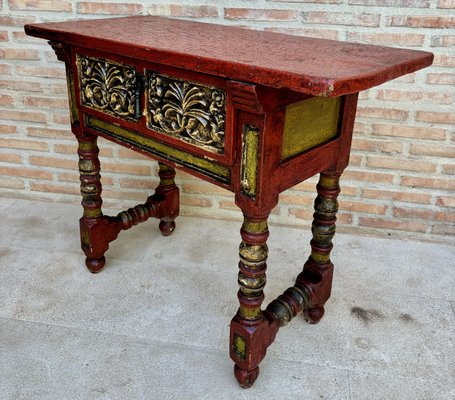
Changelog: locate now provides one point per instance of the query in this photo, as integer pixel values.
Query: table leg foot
(167, 227)
(313, 315)
(95, 265)
(244, 377)
(169, 189)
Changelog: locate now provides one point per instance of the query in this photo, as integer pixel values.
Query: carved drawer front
(192, 112)
(110, 87)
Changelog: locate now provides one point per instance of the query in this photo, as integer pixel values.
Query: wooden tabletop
(314, 66)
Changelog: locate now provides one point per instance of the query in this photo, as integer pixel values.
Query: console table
(253, 112)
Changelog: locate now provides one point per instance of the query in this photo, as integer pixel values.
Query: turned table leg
(317, 273)
(92, 242)
(167, 185)
(250, 333)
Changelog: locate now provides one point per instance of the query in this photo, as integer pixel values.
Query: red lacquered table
(253, 112)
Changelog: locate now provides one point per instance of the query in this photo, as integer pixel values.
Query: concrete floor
(154, 324)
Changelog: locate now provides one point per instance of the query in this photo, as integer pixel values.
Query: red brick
(25, 172)
(421, 21)
(21, 36)
(448, 169)
(381, 194)
(53, 162)
(20, 85)
(11, 183)
(377, 146)
(301, 213)
(392, 224)
(23, 144)
(366, 176)
(443, 60)
(130, 154)
(108, 8)
(432, 183)
(126, 168)
(339, 18)
(359, 127)
(295, 199)
(405, 165)
(5, 69)
(8, 129)
(443, 41)
(6, 100)
(181, 10)
(11, 158)
(392, 3)
(417, 213)
(435, 151)
(443, 229)
(15, 115)
(260, 14)
(45, 72)
(384, 113)
(385, 39)
(195, 201)
(309, 1)
(46, 102)
(125, 194)
(138, 183)
(49, 133)
(446, 201)
(19, 54)
(57, 88)
(52, 188)
(446, 4)
(401, 95)
(409, 132)
(45, 5)
(228, 205)
(409, 78)
(14, 20)
(61, 119)
(3, 36)
(315, 33)
(357, 206)
(438, 117)
(441, 79)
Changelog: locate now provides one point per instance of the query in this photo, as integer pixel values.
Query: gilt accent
(191, 112)
(108, 86)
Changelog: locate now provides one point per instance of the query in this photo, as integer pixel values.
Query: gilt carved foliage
(108, 86)
(191, 112)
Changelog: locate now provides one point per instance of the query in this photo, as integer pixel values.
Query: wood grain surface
(314, 66)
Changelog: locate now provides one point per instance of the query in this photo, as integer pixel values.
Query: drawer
(166, 115)
(191, 112)
(109, 87)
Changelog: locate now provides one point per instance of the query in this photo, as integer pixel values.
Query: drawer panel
(110, 87)
(192, 112)
(212, 169)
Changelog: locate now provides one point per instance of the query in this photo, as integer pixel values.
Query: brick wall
(400, 180)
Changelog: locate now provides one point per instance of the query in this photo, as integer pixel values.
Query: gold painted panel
(202, 165)
(250, 160)
(108, 86)
(192, 112)
(309, 123)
